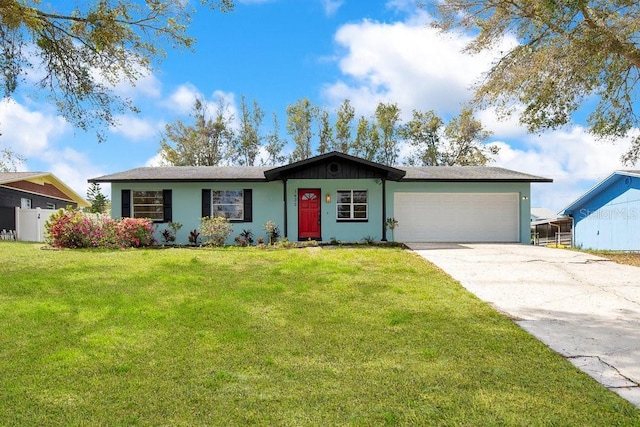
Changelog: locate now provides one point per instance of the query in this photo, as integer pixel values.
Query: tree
(325, 133)
(387, 116)
(361, 142)
(459, 143)
(569, 52)
(344, 117)
(299, 119)
(366, 143)
(274, 145)
(465, 138)
(9, 160)
(82, 50)
(207, 142)
(248, 141)
(99, 202)
(423, 133)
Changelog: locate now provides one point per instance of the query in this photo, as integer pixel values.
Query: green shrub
(216, 230)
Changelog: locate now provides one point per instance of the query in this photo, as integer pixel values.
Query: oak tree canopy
(76, 52)
(570, 55)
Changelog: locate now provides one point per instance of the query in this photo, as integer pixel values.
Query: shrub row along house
(334, 196)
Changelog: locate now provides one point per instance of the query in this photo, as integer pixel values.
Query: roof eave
(474, 180)
(587, 195)
(123, 180)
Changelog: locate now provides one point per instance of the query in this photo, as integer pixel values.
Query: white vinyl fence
(30, 224)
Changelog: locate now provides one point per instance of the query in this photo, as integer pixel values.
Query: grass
(240, 336)
(629, 258)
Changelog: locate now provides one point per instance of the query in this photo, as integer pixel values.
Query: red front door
(309, 204)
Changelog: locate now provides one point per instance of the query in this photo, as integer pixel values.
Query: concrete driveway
(584, 307)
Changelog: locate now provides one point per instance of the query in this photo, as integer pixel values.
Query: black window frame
(247, 203)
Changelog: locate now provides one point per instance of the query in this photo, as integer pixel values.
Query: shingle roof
(187, 173)
(255, 173)
(467, 173)
(18, 176)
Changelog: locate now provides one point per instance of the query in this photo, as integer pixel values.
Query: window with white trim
(352, 205)
(148, 204)
(228, 204)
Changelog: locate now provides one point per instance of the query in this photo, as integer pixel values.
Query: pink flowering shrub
(135, 232)
(74, 229)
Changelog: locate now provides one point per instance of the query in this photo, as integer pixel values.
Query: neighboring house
(538, 214)
(30, 190)
(608, 215)
(549, 228)
(334, 196)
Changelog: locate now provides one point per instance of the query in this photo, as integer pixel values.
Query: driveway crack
(633, 383)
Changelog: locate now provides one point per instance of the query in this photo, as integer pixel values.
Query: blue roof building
(607, 216)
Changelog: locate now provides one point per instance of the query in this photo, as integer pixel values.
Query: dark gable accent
(248, 205)
(126, 203)
(334, 165)
(206, 203)
(166, 206)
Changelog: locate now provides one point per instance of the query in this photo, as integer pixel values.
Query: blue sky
(279, 51)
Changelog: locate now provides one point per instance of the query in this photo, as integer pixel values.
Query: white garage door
(457, 217)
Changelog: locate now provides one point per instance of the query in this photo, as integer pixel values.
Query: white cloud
(155, 161)
(573, 158)
(331, 6)
(182, 99)
(136, 128)
(34, 135)
(28, 132)
(146, 85)
(71, 167)
(405, 62)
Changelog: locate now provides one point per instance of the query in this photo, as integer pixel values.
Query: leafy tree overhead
(568, 52)
(82, 49)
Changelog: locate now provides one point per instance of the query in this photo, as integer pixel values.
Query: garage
(457, 217)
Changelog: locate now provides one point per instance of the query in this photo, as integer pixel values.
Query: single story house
(608, 215)
(30, 190)
(334, 196)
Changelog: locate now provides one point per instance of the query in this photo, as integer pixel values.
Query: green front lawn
(242, 336)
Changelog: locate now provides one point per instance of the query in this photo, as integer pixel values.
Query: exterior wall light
(327, 198)
(525, 197)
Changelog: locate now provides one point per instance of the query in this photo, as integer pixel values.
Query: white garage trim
(457, 217)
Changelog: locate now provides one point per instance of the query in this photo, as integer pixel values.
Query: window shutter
(166, 206)
(206, 203)
(126, 204)
(248, 205)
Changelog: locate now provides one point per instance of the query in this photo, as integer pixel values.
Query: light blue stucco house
(608, 215)
(334, 196)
